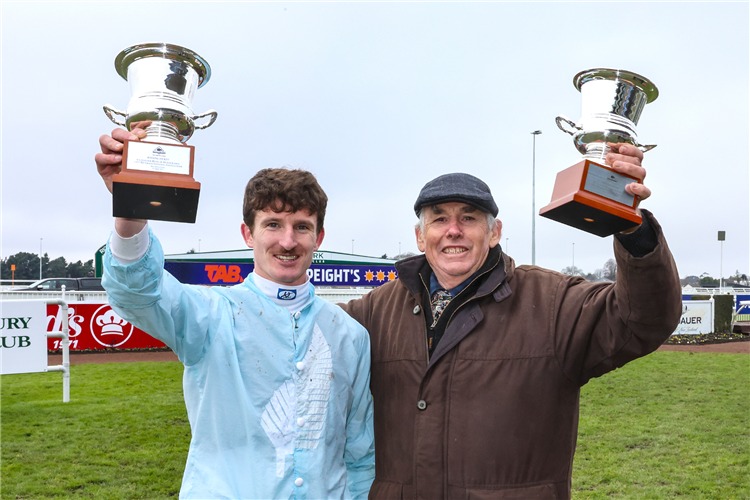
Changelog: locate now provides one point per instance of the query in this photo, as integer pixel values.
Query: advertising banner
(96, 326)
(697, 318)
(341, 275)
(24, 337)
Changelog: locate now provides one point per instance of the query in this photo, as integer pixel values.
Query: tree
(573, 271)
(56, 268)
(27, 266)
(708, 281)
(609, 271)
(403, 255)
(80, 270)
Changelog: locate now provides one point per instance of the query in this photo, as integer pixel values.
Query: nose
(454, 229)
(288, 240)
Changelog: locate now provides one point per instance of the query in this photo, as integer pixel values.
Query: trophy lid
(637, 80)
(166, 50)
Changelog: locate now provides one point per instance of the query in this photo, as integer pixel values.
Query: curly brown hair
(284, 190)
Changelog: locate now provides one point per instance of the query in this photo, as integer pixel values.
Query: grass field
(672, 425)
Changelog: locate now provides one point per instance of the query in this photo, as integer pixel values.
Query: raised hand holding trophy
(156, 181)
(590, 195)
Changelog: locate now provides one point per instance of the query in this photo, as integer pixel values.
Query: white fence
(335, 295)
(689, 290)
(74, 296)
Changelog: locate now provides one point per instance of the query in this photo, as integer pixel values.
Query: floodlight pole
(40, 258)
(533, 198)
(722, 237)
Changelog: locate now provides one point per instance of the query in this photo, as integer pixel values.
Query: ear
(420, 240)
(496, 233)
(319, 239)
(247, 235)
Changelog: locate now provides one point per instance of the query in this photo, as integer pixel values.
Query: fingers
(104, 162)
(122, 135)
(114, 143)
(109, 161)
(626, 159)
(638, 190)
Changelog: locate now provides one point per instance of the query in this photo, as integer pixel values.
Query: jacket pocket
(541, 492)
(384, 490)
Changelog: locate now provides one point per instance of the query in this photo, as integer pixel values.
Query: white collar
(295, 297)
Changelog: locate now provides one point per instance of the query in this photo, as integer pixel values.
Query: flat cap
(459, 187)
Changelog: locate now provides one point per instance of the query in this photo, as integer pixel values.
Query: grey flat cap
(459, 187)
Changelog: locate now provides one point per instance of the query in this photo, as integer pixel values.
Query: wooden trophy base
(591, 197)
(156, 183)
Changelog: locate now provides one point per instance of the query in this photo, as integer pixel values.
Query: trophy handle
(210, 113)
(565, 119)
(110, 112)
(645, 147)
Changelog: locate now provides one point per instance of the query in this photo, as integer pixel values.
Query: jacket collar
(500, 266)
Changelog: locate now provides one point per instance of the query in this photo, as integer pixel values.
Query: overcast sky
(376, 99)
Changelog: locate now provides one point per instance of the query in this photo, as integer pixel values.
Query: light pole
(574, 256)
(352, 247)
(40, 258)
(506, 246)
(722, 237)
(533, 199)
(199, 245)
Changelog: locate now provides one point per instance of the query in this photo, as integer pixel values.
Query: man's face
(283, 244)
(456, 241)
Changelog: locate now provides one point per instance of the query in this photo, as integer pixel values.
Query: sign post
(23, 342)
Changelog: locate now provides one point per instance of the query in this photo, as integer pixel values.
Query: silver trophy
(613, 100)
(156, 181)
(590, 195)
(163, 79)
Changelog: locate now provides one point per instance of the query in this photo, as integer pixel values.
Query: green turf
(124, 433)
(672, 425)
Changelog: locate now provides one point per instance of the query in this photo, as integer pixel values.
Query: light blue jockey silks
(279, 404)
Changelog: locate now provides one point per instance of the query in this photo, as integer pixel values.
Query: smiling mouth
(287, 258)
(454, 250)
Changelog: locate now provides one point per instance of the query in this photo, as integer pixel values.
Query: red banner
(96, 326)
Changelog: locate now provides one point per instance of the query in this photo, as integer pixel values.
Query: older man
(276, 379)
(477, 364)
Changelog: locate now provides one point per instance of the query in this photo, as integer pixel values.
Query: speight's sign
(328, 268)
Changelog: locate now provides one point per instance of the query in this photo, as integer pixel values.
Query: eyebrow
(467, 209)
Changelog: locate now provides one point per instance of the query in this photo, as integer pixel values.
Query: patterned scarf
(440, 300)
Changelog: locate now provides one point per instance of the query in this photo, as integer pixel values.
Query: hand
(109, 161)
(626, 159)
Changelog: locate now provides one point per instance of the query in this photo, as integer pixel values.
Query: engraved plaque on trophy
(590, 195)
(156, 181)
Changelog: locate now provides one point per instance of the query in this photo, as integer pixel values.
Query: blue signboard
(343, 275)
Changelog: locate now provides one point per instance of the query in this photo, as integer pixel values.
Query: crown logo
(111, 323)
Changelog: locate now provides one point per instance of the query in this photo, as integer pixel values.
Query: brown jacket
(494, 414)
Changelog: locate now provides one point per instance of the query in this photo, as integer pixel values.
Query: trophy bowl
(156, 180)
(612, 103)
(589, 195)
(163, 79)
